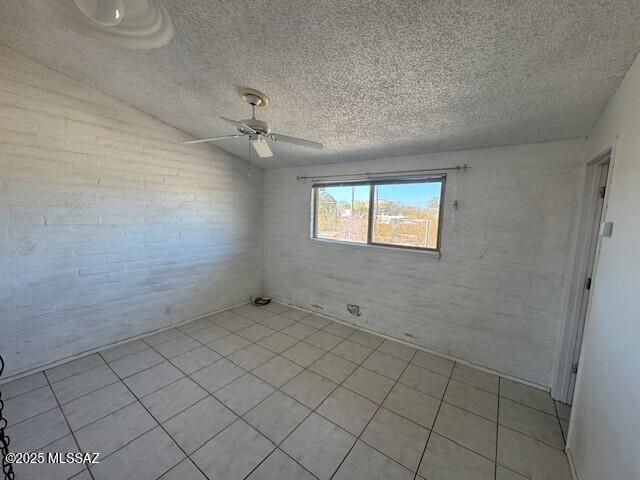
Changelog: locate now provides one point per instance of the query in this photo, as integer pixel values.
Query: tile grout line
(435, 418)
(107, 363)
(139, 399)
(151, 347)
(123, 342)
(73, 374)
(278, 389)
(148, 346)
(122, 379)
(129, 441)
(105, 416)
(417, 349)
(340, 385)
(90, 392)
(361, 364)
(330, 351)
(118, 379)
(52, 441)
(538, 410)
(314, 410)
(73, 435)
(532, 438)
(497, 422)
(311, 410)
(232, 310)
(379, 406)
(338, 426)
(212, 394)
(564, 438)
(275, 389)
(277, 354)
(495, 464)
(239, 417)
(159, 424)
(358, 365)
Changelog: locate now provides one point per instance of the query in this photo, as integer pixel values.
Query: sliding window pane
(342, 213)
(407, 214)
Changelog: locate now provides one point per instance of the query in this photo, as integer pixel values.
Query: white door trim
(561, 380)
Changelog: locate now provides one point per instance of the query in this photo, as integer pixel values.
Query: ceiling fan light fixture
(257, 130)
(261, 147)
(134, 24)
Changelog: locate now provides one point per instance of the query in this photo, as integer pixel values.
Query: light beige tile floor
(275, 393)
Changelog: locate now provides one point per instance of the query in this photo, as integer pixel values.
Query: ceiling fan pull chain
(250, 164)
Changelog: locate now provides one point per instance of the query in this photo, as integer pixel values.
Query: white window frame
(372, 184)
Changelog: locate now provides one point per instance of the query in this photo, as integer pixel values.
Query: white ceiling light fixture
(135, 24)
(261, 147)
(258, 131)
(103, 12)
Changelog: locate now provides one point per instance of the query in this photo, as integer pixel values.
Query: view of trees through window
(405, 214)
(342, 213)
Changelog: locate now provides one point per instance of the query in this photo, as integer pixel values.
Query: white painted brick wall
(109, 227)
(496, 297)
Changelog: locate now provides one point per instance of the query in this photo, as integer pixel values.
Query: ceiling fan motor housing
(258, 131)
(260, 126)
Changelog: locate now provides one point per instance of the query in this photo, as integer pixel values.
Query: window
(342, 212)
(397, 213)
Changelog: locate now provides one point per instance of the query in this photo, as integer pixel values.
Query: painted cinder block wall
(109, 227)
(497, 296)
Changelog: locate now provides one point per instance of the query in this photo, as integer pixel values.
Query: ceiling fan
(258, 131)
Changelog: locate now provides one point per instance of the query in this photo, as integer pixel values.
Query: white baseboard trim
(91, 351)
(572, 467)
(413, 345)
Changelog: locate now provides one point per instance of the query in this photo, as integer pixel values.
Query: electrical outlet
(354, 310)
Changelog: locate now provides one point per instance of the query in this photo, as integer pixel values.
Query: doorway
(596, 204)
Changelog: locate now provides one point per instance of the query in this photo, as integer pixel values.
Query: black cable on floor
(260, 301)
(7, 468)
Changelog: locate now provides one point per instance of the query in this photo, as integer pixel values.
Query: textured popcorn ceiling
(366, 78)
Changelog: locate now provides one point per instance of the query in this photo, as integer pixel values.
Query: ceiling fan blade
(212, 139)
(262, 148)
(244, 126)
(296, 141)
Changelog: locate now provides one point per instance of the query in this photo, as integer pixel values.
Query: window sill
(405, 251)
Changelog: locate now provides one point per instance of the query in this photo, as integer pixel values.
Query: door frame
(575, 321)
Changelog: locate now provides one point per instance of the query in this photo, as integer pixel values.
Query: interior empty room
(330, 240)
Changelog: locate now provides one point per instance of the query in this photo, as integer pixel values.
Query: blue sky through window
(344, 194)
(414, 194)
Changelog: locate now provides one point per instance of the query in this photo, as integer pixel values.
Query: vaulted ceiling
(366, 78)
